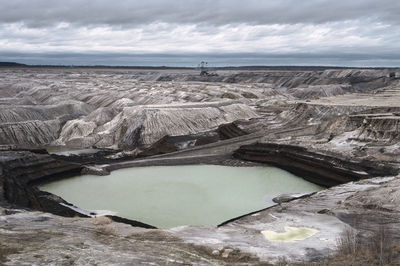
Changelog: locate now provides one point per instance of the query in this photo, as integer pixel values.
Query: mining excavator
(203, 66)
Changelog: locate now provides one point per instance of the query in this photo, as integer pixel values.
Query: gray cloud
(41, 13)
(226, 32)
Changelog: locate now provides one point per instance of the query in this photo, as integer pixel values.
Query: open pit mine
(168, 167)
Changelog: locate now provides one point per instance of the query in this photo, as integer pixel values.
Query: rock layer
(322, 169)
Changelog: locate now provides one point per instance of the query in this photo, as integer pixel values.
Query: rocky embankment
(21, 172)
(19, 169)
(318, 168)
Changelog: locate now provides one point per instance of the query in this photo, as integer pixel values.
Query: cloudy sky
(183, 32)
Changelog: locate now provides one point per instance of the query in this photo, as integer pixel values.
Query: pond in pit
(169, 196)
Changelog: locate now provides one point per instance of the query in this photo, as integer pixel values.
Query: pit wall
(21, 170)
(378, 124)
(322, 169)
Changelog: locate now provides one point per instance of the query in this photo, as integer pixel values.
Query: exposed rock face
(22, 170)
(33, 132)
(36, 125)
(142, 126)
(378, 124)
(318, 168)
(19, 168)
(90, 105)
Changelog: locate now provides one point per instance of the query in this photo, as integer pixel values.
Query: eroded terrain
(331, 127)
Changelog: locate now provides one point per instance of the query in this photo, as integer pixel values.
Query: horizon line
(17, 64)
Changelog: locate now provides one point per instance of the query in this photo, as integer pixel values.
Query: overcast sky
(180, 32)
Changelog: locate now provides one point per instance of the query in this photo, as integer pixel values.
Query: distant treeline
(253, 68)
(11, 64)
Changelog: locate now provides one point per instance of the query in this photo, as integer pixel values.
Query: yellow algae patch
(292, 234)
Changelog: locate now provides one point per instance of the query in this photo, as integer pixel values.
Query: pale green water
(168, 196)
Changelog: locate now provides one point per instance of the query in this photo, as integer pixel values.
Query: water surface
(168, 196)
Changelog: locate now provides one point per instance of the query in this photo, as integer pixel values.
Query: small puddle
(169, 196)
(292, 234)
